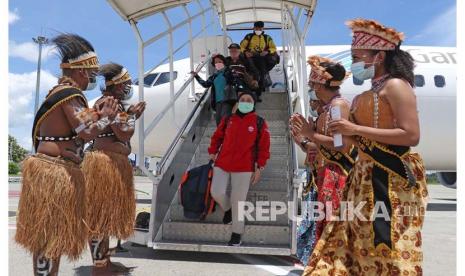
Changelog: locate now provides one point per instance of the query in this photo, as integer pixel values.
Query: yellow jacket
(257, 43)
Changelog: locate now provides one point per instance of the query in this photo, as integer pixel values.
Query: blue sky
(431, 24)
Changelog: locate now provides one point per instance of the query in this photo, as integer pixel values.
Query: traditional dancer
(52, 202)
(387, 184)
(306, 230)
(331, 165)
(110, 195)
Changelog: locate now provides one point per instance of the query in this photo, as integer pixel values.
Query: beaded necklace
(376, 86)
(327, 108)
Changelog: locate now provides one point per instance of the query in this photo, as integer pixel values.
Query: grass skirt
(51, 207)
(110, 198)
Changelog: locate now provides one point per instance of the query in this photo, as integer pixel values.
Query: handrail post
(140, 58)
(141, 151)
(191, 51)
(223, 23)
(171, 59)
(204, 28)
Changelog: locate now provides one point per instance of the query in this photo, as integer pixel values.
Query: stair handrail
(170, 151)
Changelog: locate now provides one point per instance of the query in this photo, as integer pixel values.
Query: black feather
(70, 46)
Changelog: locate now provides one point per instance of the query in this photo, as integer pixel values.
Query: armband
(80, 128)
(102, 123)
(132, 120)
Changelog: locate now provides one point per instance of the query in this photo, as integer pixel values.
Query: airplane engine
(448, 179)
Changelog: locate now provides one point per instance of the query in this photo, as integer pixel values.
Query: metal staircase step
(279, 173)
(273, 115)
(245, 248)
(272, 184)
(269, 97)
(277, 103)
(221, 233)
(255, 196)
(177, 215)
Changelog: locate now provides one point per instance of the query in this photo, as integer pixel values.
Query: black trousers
(264, 64)
(222, 109)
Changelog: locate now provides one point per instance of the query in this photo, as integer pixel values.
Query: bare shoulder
(397, 88)
(341, 102)
(397, 85)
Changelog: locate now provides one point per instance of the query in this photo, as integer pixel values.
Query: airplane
(435, 80)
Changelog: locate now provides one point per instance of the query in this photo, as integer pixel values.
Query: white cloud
(440, 31)
(21, 96)
(13, 16)
(29, 51)
(26, 142)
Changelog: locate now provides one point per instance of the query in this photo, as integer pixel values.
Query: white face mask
(219, 66)
(92, 82)
(312, 96)
(128, 91)
(258, 32)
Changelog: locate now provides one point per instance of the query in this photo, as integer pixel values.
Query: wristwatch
(304, 142)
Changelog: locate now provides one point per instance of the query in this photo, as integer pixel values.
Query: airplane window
(148, 80)
(165, 77)
(439, 81)
(419, 80)
(357, 81)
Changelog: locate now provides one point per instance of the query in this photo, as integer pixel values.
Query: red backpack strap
(184, 178)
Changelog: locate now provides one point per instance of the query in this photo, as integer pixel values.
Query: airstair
(168, 229)
(267, 237)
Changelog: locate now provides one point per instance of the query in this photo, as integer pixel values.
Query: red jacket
(237, 144)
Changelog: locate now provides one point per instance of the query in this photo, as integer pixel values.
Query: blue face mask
(245, 107)
(361, 73)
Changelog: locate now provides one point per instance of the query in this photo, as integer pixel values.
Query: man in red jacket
(240, 148)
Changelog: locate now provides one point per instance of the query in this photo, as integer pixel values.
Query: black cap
(234, 46)
(245, 91)
(259, 24)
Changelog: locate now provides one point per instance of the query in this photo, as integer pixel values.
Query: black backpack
(142, 220)
(194, 192)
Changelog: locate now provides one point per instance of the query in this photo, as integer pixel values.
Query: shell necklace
(376, 86)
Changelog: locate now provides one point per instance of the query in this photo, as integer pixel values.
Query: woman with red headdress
(387, 185)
